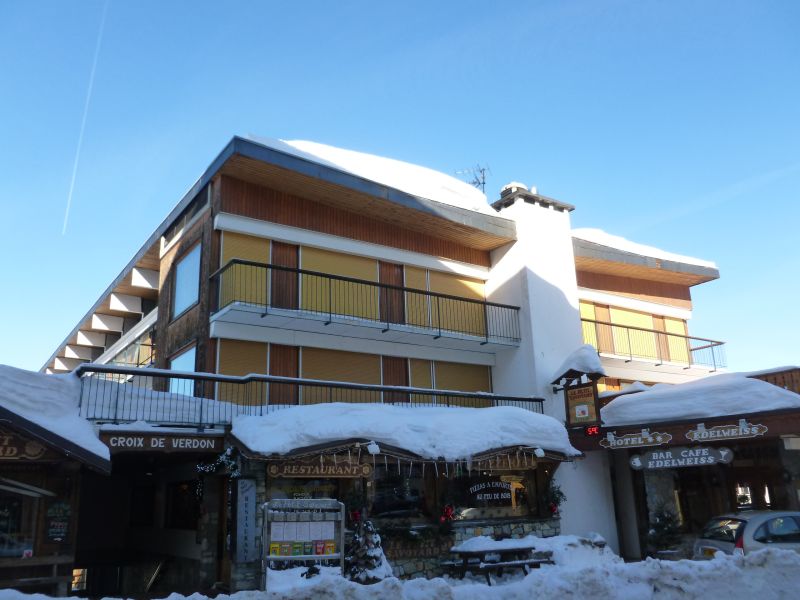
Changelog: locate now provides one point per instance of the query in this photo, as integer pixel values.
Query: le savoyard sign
(726, 432)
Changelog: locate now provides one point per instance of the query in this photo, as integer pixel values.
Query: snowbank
(598, 236)
(50, 401)
(769, 574)
(431, 432)
(582, 360)
(412, 179)
(715, 396)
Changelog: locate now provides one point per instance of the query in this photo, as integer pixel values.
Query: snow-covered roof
(412, 179)
(715, 396)
(52, 402)
(430, 432)
(635, 387)
(598, 236)
(584, 360)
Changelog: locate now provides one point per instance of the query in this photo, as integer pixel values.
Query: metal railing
(336, 298)
(126, 394)
(650, 344)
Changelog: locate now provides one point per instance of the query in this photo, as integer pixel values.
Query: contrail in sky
(85, 113)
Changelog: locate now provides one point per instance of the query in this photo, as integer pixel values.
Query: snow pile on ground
(598, 236)
(582, 360)
(770, 574)
(715, 396)
(50, 401)
(412, 179)
(431, 432)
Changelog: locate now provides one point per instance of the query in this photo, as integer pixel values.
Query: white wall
(537, 273)
(590, 500)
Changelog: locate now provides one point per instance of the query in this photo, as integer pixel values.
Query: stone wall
(410, 559)
(247, 576)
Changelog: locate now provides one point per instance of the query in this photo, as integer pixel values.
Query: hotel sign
(146, 442)
(325, 468)
(681, 456)
(634, 440)
(726, 432)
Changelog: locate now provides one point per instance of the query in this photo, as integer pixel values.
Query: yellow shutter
(421, 373)
(589, 329)
(346, 298)
(678, 346)
(456, 315)
(334, 365)
(244, 283)
(464, 378)
(417, 304)
(242, 358)
(633, 342)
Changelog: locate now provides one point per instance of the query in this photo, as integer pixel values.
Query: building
(296, 274)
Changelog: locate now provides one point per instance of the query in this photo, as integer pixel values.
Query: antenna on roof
(475, 176)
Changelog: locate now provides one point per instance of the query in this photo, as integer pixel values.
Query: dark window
(183, 506)
(779, 530)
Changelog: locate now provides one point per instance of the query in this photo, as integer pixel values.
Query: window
(779, 530)
(187, 281)
(185, 361)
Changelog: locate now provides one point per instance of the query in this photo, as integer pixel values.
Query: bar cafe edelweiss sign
(681, 456)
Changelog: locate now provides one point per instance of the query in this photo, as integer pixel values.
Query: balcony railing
(648, 344)
(332, 298)
(125, 394)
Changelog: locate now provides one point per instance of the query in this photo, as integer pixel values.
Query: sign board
(14, 447)
(726, 432)
(147, 442)
(56, 522)
(316, 468)
(681, 456)
(581, 403)
(633, 440)
(246, 547)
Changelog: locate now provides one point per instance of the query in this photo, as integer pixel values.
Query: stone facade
(247, 576)
(410, 559)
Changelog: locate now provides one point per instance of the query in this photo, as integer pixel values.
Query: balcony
(250, 293)
(111, 394)
(659, 348)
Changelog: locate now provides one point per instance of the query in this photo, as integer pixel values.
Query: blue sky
(674, 124)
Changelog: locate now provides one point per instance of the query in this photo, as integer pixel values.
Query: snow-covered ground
(599, 575)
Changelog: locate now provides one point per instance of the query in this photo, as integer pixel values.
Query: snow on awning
(428, 432)
(583, 361)
(51, 404)
(716, 396)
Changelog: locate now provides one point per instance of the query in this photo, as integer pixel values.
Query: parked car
(744, 532)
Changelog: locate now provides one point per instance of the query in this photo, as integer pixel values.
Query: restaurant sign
(147, 442)
(726, 432)
(14, 447)
(681, 456)
(581, 403)
(633, 440)
(320, 468)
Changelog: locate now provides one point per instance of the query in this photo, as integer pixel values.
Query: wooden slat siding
(671, 294)
(392, 305)
(257, 202)
(242, 358)
(283, 361)
(244, 283)
(788, 380)
(284, 283)
(463, 378)
(335, 365)
(641, 272)
(395, 372)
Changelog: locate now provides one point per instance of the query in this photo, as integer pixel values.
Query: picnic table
(486, 556)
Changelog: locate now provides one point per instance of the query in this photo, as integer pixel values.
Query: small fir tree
(365, 561)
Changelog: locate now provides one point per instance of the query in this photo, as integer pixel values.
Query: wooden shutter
(589, 329)
(395, 372)
(633, 342)
(464, 378)
(244, 283)
(334, 365)
(454, 315)
(421, 372)
(417, 303)
(678, 345)
(242, 358)
(283, 361)
(345, 298)
(284, 283)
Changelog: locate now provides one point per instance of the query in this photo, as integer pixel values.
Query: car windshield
(722, 529)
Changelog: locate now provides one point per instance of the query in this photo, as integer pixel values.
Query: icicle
(386, 464)
(349, 458)
(446, 469)
(359, 454)
(410, 466)
(436, 466)
(423, 470)
(398, 466)
(509, 460)
(373, 462)
(334, 459)
(321, 463)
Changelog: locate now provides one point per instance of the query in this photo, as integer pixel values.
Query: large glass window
(185, 361)
(187, 281)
